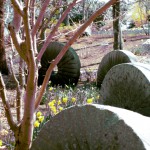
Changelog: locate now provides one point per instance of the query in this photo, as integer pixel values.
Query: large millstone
(111, 59)
(68, 67)
(128, 86)
(95, 127)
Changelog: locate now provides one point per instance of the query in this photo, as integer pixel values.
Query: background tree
(118, 42)
(66, 20)
(3, 63)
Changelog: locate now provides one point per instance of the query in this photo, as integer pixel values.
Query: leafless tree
(27, 49)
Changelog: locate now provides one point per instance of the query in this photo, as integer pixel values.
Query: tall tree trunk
(116, 27)
(3, 64)
(84, 15)
(66, 20)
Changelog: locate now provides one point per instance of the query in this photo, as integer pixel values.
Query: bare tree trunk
(84, 15)
(3, 64)
(66, 20)
(116, 26)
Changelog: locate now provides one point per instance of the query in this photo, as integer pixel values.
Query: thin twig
(55, 29)
(6, 105)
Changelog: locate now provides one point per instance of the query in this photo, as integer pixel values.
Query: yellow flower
(41, 118)
(36, 124)
(52, 103)
(73, 99)
(59, 102)
(1, 143)
(89, 100)
(60, 108)
(51, 88)
(64, 100)
(53, 109)
(38, 114)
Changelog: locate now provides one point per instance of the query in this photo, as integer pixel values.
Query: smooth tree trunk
(84, 12)
(118, 42)
(3, 64)
(66, 20)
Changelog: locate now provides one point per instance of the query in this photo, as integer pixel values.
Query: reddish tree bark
(3, 63)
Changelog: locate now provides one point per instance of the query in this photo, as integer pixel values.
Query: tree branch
(51, 34)
(28, 41)
(17, 21)
(17, 42)
(40, 17)
(19, 93)
(65, 48)
(27, 3)
(6, 105)
(17, 7)
(81, 29)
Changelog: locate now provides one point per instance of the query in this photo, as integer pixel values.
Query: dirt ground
(91, 50)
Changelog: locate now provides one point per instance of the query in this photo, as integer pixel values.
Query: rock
(127, 85)
(146, 45)
(111, 59)
(95, 127)
(87, 32)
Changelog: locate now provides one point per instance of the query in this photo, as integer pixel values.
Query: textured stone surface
(146, 45)
(95, 127)
(128, 86)
(111, 59)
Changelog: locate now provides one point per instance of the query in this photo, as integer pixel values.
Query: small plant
(57, 99)
(38, 123)
(7, 139)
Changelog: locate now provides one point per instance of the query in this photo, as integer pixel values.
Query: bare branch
(45, 25)
(6, 105)
(65, 48)
(46, 43)
(83, 27)
(12, 71)
(28, 42)
(32, 8)
(16, 40)
(42, 90)
(40, 17)
(32, 13)
(27, 3)
(17, 21)
(19, 92)
(17, 7)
